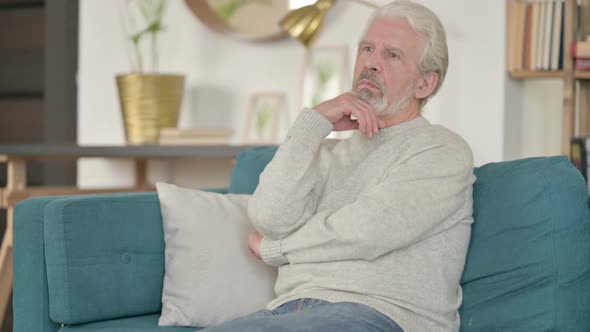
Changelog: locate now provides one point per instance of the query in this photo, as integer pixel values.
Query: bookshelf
(570, 77)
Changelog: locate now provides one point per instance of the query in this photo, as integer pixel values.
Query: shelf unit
(568, 75)
(526, 74)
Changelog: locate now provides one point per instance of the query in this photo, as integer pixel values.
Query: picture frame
(263, 118)
(324, 74)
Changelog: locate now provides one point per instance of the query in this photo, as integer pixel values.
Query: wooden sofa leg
(6, 272)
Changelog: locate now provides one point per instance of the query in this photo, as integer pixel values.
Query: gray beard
(380, 105)
(402, 102)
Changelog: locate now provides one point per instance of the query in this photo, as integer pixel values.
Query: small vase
(149, 102)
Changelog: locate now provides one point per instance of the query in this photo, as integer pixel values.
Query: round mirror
(243, 19)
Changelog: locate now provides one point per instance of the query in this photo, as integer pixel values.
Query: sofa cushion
(249, 165)
(104, 256)
(210, 276)
(148, 323)
(528, 262)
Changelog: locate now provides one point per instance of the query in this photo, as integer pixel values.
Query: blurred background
(59, 62)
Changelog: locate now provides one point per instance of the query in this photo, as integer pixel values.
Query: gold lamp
(305, 23)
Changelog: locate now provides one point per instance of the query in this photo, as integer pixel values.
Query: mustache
(371, 76)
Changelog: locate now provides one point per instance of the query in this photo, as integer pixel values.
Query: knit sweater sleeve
(430, 192)
(289, 185)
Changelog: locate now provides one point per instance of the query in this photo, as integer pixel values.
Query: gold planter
(149, 102)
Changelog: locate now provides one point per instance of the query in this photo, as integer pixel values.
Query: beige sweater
(384, 221)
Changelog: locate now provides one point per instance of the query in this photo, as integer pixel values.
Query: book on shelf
(535, 35)
(528, 37)
(175, 136)
(556, 39)
(582, 64)
(541, 35)
(520, 41)
(579, 155)
(581, 49)
(581, 54)
(512, 38)
(547, 34)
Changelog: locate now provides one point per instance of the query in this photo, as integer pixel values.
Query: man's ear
(426, 85)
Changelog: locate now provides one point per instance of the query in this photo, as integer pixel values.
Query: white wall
(472, 99)
(533, 118)
(222, 74)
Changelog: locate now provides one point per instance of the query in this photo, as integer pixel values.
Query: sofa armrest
(30, 297)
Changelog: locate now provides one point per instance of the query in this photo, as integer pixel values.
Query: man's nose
(372, 63)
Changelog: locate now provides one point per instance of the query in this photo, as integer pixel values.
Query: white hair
(435, 54)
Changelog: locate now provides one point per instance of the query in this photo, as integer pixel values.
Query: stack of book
(581, 54)
(175, 136)
(535, 35)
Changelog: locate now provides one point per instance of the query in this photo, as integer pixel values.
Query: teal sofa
(96, 263)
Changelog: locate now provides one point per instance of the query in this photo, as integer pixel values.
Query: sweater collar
(401, 127)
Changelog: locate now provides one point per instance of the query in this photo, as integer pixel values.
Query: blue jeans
(311, 315)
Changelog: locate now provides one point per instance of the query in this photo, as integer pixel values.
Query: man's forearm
(415, 202)
(285, 197)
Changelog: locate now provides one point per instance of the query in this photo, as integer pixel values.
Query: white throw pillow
(210, 276)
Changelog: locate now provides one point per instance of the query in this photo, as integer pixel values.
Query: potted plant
(149, 100)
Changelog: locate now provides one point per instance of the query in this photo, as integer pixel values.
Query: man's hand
(338, 111)
(254, 240)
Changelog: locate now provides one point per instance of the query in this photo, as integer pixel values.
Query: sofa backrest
(249, 165)
(528, 264)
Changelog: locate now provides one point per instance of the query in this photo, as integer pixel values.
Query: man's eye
(393, 55)
(368, 49)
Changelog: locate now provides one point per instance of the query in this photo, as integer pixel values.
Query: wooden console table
(16, 190)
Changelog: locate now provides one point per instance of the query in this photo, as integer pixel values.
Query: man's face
(386, 66)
